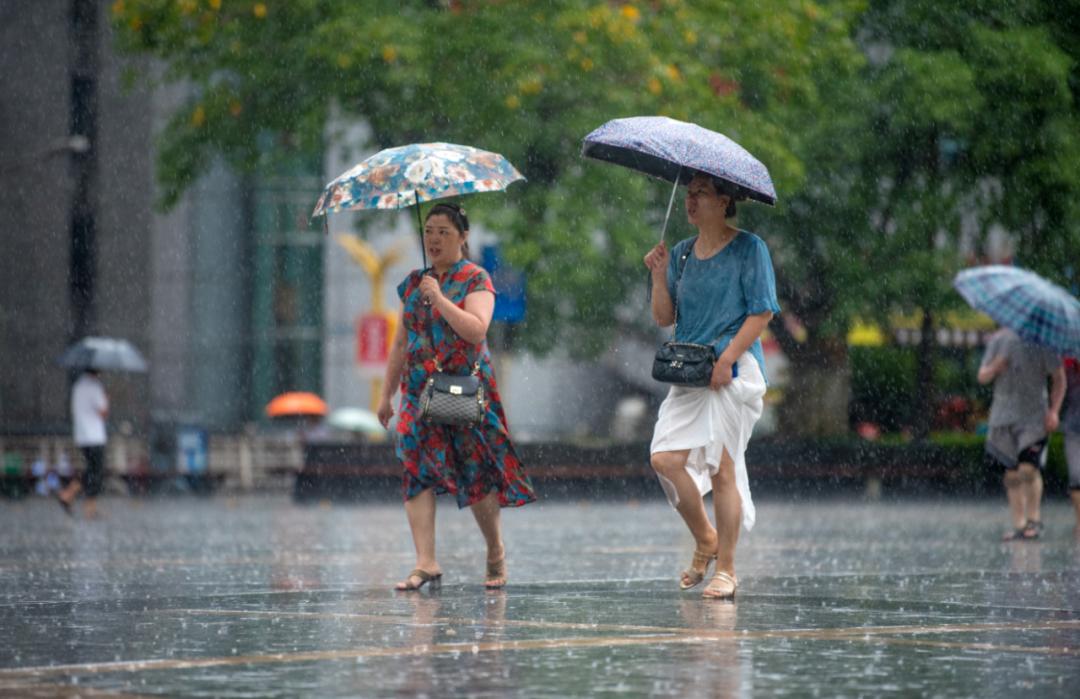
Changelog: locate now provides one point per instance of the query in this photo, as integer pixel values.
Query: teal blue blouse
(715, 296)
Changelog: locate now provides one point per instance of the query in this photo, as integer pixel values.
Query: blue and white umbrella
(1037, 310)
(674, 150)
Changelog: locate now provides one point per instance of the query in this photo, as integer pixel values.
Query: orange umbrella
(296, 403)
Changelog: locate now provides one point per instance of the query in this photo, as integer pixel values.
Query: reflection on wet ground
(261, 597)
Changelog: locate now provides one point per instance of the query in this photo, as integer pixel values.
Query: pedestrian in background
(720, 287)
(1070, 425)
(89, 409)
(1022, 417)
(444, 322)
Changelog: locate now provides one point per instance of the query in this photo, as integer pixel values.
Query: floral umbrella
(398, 177)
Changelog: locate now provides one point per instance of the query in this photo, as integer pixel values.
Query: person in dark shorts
(1022, 416)
(89, 408)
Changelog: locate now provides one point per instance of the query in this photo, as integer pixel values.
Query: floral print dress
(468, 462)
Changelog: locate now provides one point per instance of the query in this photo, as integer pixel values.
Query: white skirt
(707, 422)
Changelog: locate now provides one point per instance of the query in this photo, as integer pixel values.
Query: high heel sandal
(495, 576)
(722, 586)
(692, 576)
(435, 580)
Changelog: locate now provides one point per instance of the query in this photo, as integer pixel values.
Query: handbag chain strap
(434, 350)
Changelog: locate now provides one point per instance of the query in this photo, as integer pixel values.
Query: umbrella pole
(671, 201)
(420, 227)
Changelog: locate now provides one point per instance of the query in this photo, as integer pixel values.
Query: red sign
(373, 340)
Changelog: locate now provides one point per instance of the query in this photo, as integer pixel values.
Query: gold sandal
(722, 586)
(495, 577)
(692, 576)
(425, 577)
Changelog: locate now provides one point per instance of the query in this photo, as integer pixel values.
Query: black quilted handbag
(449, 399)
(684, 364)
(453, 400)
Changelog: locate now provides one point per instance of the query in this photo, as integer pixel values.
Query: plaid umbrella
(1034, 308)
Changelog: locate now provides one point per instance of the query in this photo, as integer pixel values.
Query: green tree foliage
(978, 123)
(527, 79)
(963, 118)
(898, 133)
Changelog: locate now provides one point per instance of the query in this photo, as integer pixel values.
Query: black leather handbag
(449, 399)
(684, 364)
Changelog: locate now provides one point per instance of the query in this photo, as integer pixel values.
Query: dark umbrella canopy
(103, 354)
(672, 150)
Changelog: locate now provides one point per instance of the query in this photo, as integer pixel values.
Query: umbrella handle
(671, 201)
(420, 227)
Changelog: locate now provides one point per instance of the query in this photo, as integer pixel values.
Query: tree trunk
(818, 389)
(922, 411)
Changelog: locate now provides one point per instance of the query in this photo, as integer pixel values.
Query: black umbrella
(674, 150)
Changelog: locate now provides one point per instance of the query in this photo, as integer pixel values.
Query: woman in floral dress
(449, 305)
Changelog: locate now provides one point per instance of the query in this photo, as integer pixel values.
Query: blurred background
(160, 159)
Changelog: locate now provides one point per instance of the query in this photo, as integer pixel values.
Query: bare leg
(420, 511)
(487, 515)
(1074, 495)
(70, 491)
(1033, 490)
(670, 466)
(1015, 494)
(728, 505)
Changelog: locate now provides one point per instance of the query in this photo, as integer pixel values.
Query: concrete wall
(36, 190)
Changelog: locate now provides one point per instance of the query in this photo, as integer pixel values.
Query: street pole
(82, 270)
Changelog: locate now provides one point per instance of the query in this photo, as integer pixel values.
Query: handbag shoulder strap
(680, 268)
(435, 350)
(683, 260)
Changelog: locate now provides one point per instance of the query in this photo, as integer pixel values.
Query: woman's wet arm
(750, 331)
(470, 323)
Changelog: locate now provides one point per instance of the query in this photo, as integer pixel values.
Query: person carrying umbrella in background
(89, 409)
(717, 289)
(447, 311)
(1022, 417)
(1040, 323)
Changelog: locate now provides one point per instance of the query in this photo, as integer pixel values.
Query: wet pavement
(259, 597)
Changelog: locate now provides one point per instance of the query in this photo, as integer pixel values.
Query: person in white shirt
(89, 408)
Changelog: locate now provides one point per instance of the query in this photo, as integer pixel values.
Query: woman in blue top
(718, 288)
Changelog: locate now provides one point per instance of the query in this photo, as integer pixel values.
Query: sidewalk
(258, 596)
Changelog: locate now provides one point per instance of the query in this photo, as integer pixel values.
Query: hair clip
(461, 210)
